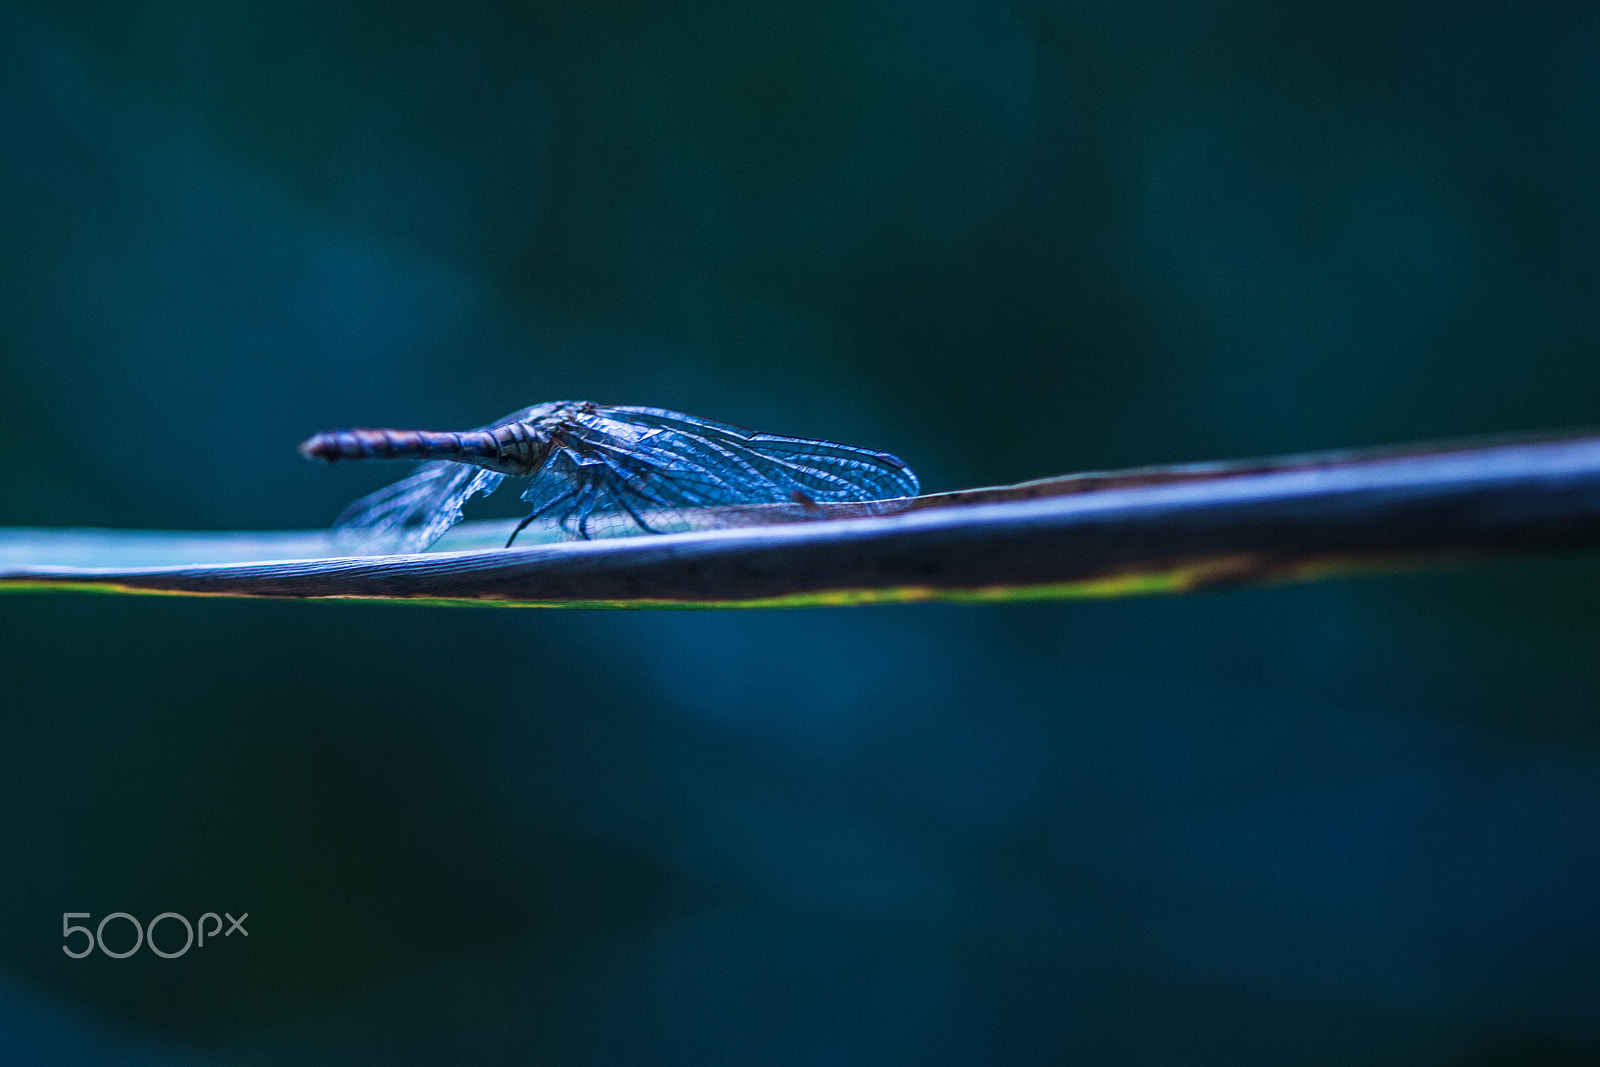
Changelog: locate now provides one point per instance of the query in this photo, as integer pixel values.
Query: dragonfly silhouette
(624, 466)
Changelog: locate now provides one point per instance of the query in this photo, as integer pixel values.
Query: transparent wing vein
(616, 466)
(414, 512)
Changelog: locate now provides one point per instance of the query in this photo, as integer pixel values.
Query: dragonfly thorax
(519, 446)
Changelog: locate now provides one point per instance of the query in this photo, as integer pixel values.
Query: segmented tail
(465, 447)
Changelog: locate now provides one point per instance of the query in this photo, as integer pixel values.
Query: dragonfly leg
(629, 482)
(581, 507)
(638, 518)
(520, 527)
(543, 509)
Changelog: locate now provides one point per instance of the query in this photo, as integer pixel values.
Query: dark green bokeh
(1350, 822)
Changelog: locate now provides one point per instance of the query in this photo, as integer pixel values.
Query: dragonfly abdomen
(509, 449)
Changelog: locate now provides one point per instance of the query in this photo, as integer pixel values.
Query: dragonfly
(598, 469)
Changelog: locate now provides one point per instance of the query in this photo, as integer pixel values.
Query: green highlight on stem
(1178, 578)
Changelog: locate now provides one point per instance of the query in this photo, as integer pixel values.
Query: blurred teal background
(1350, 822)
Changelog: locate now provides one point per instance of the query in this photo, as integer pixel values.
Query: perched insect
(626, 469)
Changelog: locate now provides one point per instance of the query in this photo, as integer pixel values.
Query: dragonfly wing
(705, 463)
(414, 512)
(630, 470)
